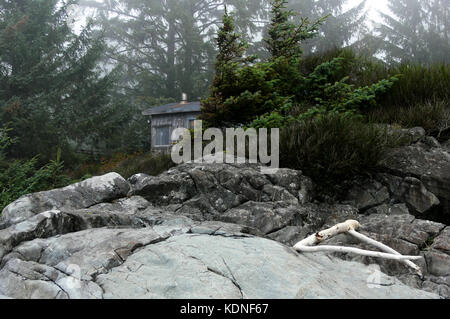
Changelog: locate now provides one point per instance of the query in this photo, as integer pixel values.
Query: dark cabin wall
(175, 121)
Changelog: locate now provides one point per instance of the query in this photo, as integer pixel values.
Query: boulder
(416, 196)
(415, 134)
(410, 191)
(446, 146)
(429, 165)
(437, 263)
(366, 194)
(85, 194)
(409, 135)
(442, 242)
(225, 192)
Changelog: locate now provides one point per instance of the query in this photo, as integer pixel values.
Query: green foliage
(151, 164)
(284, 35)
(322, 95)
(243, 90)
(418, 84)
(417, 89)
(225, 88)
(360, 69)
(19, 178)
(332, 148)
(433, 116)
(343, 98)
(51, 89)
(264, 94)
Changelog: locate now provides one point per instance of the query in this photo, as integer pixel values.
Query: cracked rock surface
(202, 231)
(170, 260)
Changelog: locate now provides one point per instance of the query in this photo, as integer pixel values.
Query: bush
(22, 177)
(127, 165)
(18, 178)
(433, 116)
(149, 163)
(418, 84)
(332, 149)
(323, 92)
(360, 70)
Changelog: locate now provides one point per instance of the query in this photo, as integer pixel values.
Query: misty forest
(75, 77)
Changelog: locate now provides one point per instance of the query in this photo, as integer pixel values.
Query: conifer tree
(338, 29)
(167, 46)
(284, 36)
(417, 31)
(230, 59)
(51, 91)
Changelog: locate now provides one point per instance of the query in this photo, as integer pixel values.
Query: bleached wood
(353, 250)
(329, 233)
(384, 248)
(310, 243)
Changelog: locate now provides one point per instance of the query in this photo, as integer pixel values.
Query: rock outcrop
(399, 204)
(174, 257)
(426, 167)
(224, 231)
(197, 231)
(81, 195)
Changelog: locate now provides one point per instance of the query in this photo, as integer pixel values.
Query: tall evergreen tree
(230, 59)
(51, 91)
(340, 27)
(268, 94)
(285, 36)
(167, 46)
(243, 90)
(417, 31)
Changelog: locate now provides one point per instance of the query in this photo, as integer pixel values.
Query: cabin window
(191, 124)
(163, 136)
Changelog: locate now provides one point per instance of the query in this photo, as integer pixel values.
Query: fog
(79, 81)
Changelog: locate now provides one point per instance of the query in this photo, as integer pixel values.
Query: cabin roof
(173, 108)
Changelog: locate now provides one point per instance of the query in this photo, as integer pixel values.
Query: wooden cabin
(166, 118)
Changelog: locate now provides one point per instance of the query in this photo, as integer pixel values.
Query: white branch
(329, 233)
(350, 227)
(357, 251)
(384, 248)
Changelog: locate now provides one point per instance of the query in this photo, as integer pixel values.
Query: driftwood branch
(310, 243)
(357, 251)
(386, 249)
(329, 233)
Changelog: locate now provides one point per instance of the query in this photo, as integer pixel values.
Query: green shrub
(332, 149)
(433, 116)
(323, 92)
(417, 85)
(150, 163)
(360, 70)
(18, 178)
(22, 177)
